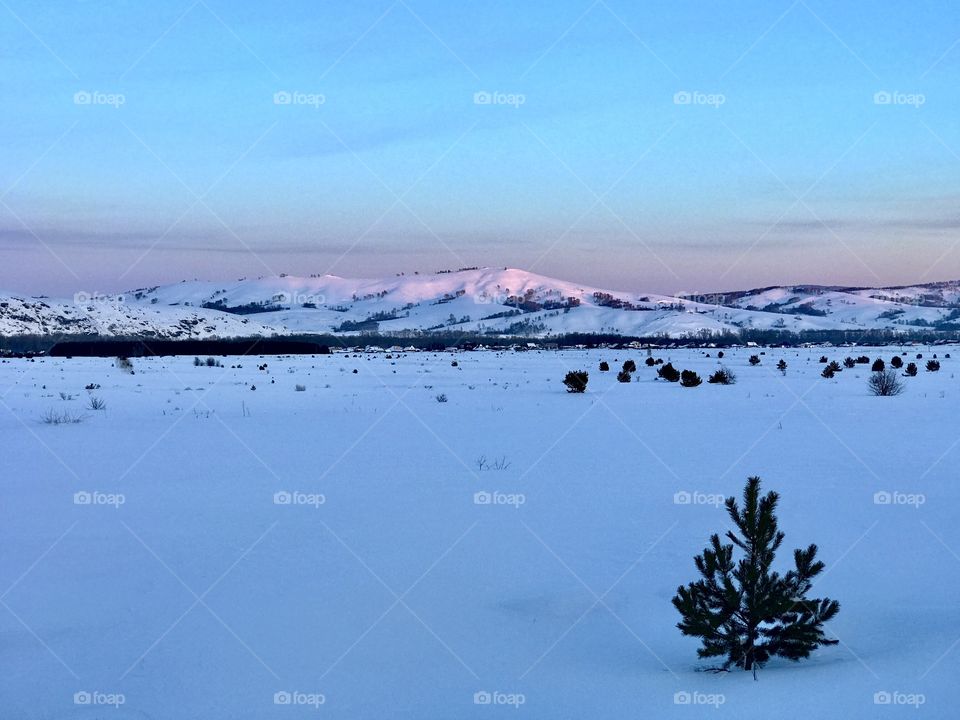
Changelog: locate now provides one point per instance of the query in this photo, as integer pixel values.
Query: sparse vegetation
(62, 417)
(97, 403)
(885, 383)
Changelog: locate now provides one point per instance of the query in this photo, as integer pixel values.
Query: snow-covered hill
(485, 300)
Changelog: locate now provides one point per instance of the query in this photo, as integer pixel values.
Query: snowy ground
(383, 590)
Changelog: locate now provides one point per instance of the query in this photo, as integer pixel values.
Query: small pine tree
(629, 366)
(604, 366)
(849, 362)
(754, 359)
(722, 376)
(933, 365)
(896, 362)
(911, 370)
(878, 365)
(688, 378)
(623, 376)
(823, 359)
(576, 381)
(669, 373)
(831, 369)
(782, 366)
(720, 354)
(744, 610)
(650, 362)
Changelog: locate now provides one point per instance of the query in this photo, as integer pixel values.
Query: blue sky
(659, 146)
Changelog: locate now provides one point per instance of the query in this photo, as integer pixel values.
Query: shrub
(754, 359)
(300, 388)
(896, 362)
(650, 362)
(863, 360)
(669, 373)
(849, 362)
(919, 356)
(197, 362)
(885, 383)
(604, 366)
(878, 365)
(911, 370)
(782, 366)
(91, 386)
(720, 354)
(576, 381)
(933, 365)
(441, 398)
(213, 362)
(722, 376)
(454, 363)
(97, 403)
(623, 376)
(688, 378)
(629, 366)
(65, 417)
(823, 359)
(831, 369)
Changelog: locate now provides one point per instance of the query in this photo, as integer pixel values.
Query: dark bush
(754, 360)
(782, 366)
(604, 366)
(896, 362)
(669, 373)
(878, 365)
(629, 366)
(823, 359)
(863, 360)
(911, 370)
(720, 354)
(650, 362)
(623, 376)
(849, 362)
(688, 378)
(576, 381)
(722, 376)
(831, 369)
(933, 365)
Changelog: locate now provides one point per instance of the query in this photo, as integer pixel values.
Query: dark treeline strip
(92, 345)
